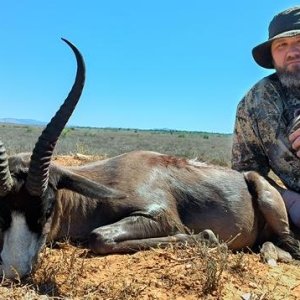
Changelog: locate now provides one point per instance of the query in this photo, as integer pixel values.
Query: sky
(159, 64)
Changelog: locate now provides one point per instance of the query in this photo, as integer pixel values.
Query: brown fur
(169, 196)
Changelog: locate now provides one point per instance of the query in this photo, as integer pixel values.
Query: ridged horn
(38, 173)
(6, 181)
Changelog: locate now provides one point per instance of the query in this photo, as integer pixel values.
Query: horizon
(149, 64)
(38, 123)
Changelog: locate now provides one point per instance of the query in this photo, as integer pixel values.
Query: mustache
(288, 60)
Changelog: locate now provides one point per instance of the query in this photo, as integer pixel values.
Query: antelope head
(28, 189)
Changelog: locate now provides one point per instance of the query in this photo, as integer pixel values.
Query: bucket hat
(285, 24)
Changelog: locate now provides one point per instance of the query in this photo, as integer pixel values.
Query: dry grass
(209, 147)
(181, 272)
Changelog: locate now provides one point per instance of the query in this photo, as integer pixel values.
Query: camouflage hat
(285, 24)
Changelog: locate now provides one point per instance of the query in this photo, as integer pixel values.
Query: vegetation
(209, 147)
(181, 272)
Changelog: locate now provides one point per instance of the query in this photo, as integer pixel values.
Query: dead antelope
(130, 202)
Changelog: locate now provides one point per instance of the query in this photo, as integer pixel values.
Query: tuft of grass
(182, 271)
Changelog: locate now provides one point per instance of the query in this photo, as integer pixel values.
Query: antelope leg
(136, 233)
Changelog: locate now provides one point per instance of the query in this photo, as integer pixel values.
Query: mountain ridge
(31, 122)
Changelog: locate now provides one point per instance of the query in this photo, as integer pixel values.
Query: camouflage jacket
(260, 140)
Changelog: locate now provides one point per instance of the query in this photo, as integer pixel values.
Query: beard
(289, 78)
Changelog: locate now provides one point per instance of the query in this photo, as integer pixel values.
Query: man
(262, 140)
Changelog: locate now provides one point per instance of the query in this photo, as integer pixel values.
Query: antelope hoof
(209, 238)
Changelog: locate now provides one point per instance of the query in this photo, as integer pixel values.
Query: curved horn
(6, 181)
(38, 174)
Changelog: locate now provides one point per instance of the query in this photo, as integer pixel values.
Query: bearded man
(262, 140)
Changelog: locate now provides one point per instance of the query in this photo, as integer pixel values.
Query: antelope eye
(48, 213)
(49, 210)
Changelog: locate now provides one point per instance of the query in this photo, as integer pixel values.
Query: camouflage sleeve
(247, 149)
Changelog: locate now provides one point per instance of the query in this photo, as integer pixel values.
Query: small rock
(272, 262)
(247, 296)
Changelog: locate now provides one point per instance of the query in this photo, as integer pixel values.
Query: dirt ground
(186, 272)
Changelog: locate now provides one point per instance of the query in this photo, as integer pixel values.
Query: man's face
(286, 58)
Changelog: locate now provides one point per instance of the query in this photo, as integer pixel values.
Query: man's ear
(65, 179)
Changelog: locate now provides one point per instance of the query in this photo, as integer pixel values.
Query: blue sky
(150, 64)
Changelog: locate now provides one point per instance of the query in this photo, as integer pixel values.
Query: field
(214, 148)
(189, 272)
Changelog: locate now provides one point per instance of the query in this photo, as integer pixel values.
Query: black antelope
(129, 202)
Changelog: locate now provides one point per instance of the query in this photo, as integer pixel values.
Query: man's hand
(292, 203)
(294, 138)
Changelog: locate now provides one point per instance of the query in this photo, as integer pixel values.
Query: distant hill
(32, 122)
(22, 121)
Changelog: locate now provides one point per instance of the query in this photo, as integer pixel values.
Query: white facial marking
(19, 247)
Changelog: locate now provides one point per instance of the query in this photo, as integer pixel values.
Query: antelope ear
(65, 179)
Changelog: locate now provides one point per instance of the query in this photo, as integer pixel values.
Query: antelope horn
(38, 173)
(6, 181)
